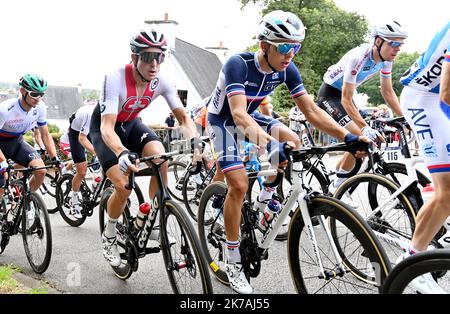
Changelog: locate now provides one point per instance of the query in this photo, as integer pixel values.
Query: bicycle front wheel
(360, 267)
(37, 233)
(436, 262)
(183, 256)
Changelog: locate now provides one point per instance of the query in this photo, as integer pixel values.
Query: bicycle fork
(324, 274)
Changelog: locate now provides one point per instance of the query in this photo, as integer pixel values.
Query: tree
(372, 87)
(331, 32)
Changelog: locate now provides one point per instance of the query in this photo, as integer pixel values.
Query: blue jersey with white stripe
(425, 73)
(242, 75)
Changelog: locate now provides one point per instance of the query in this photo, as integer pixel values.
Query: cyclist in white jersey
(19, 115)
(117, 131)
(356, 67)
(245, 80)
(425, 102)
(79, 141)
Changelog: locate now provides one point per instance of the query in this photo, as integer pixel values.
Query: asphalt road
(77, 264)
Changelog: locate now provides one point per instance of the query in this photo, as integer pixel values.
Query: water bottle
(273, 207)
(427, 192)
(95, 182)
(144, 210)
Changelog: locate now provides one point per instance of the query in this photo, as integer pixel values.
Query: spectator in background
(170, 125)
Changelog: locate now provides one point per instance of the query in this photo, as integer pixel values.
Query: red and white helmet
(147, 39)
(279, 25)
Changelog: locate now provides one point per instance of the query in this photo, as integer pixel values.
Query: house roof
(201, 66)
(62, 101)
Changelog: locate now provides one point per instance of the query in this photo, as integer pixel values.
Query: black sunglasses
(149, 56)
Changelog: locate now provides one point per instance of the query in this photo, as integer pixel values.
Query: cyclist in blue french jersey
(245, 80)
(353, 69)
(425, 101)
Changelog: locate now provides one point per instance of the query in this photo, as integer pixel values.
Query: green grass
(9, 285)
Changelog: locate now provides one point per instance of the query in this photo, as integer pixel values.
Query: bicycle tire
(368, 247)
(400, 219)
(189, 201)
(125, 270)
(64, 199)
(311, 172)
(207, 232)
(49, 187)
(190, 261)
(176, 172)
(37, 229)
(418, 264)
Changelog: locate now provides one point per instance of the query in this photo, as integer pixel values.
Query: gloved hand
(58, 163)
(372, 134)
(3, 167)
(125, 161)
(276, 153)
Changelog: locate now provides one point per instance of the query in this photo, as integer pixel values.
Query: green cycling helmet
(33, 83)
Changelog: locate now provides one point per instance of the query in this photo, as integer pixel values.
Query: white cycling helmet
(391, 29)
(278, 25)
(146, 39)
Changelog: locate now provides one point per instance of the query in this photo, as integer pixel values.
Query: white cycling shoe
(236, 277)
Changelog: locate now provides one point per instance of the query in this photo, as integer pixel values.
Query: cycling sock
(75, 197)
(233, 254)
(339, 180)
(266, 194)
(110, 228)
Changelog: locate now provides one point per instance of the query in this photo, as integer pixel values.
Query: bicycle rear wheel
(64, 199)
(125, 269)
(48, 187)
(185, 261)
(394, 223)
(193, 187)
(361, 269)
(434, 262)
(211, 230)
(37, 233)
(176, 173)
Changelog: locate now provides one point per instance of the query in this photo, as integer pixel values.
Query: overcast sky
(70, 42)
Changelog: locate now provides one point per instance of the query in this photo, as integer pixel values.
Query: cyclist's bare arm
(48, 141)
(238, 107)
(38, 138)
(319, 118)
(348, 89)
(83, 139)
(186, 124)
(387, 91)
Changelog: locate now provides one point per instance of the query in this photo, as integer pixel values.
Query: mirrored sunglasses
(35, 94)
(285, 48)
(149, 56)
(392, 43)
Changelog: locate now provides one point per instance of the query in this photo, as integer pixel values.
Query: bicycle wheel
(48, 187)
(397, 173)
(394, 223)
(211, 230)
(125, 269)
(185, 261)
(434, 261)
(193, 187)
(176, 173)
(311, 177)
(362, 268)
(36, 233)
(64, 199)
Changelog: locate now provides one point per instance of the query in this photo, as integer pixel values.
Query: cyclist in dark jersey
(117, 131)
(245, 80)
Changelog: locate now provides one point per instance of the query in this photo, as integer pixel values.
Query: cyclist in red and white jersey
(117, 131)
